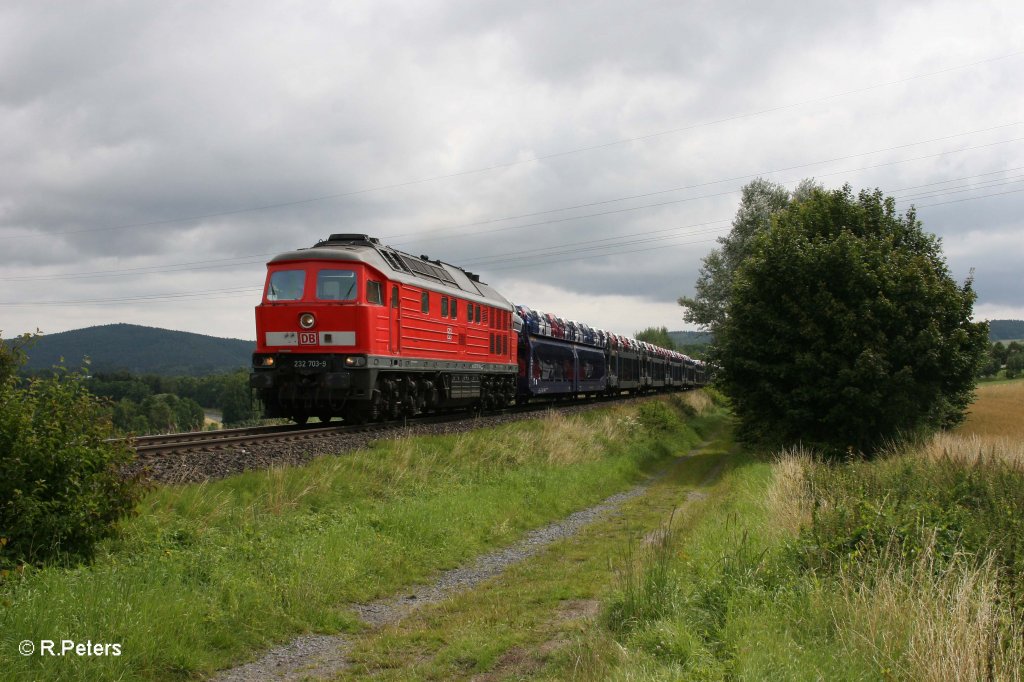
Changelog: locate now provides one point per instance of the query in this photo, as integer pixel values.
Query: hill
(1005, 330)
(682, 339)
(998, 330)
(140, 350)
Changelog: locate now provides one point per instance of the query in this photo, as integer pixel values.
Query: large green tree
(844, 328)
(760, 200)
(658, 336)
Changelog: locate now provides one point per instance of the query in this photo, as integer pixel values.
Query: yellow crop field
(998, 411)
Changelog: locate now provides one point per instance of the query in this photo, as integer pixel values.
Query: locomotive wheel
(324, 418)
(300, 419)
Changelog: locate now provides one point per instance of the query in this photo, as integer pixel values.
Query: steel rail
(215, 440)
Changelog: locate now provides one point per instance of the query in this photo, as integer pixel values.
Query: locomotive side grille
(393, 261)
(425, 269)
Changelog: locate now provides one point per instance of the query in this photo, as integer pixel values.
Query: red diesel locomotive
(356, 329)
(353, 328)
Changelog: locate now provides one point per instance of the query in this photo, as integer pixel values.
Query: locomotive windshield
(286, 285)
(336, 285)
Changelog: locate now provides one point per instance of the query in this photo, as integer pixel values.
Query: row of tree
(159, 404)
(1009, 356)
(660, 336)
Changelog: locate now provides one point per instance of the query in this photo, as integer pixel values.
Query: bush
(1014, 365)
(655, 415)
(902, 506)
(845, 328)
(61, 488)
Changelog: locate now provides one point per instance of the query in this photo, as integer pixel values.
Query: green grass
(209, 575)
(903, 568)
(530, 621)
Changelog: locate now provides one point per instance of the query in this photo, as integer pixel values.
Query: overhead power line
(615, 239)
(174, 267)
(202, 294)
(708, 183)
(147, 270)
(512, 263)
(958, 190)
(539, 261)
(603, 255)
(958, 201)
(533, 159)
(187, 265)
(555, 221)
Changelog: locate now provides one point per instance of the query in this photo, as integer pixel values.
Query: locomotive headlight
(354, 361)
(306, 320)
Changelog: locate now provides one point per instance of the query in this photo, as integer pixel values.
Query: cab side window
(286, 285)
(373, 293)
(394, 296)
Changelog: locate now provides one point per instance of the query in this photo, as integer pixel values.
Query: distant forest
(1005, 330)
(684, 339)
(139, 350)
(998, 330)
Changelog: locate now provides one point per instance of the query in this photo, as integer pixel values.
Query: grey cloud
(116, 114)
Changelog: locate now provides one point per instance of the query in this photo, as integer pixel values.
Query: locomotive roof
(399, 266)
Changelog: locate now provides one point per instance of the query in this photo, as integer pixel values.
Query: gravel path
(320, 656)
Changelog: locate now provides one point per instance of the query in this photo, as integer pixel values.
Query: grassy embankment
(209, 575)
(907, 567)
(537, 619)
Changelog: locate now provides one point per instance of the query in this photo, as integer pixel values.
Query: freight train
(355, 329)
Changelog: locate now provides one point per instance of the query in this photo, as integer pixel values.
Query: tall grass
(647, 589)
(700, 402)
(788, 500)
(969, 448)
(931, 619)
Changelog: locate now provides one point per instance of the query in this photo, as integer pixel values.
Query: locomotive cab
(316, 326)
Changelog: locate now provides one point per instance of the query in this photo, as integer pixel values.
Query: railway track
(206, 455)
(211, 440)
(224, 438)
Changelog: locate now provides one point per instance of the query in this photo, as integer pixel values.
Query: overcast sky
(582, 157)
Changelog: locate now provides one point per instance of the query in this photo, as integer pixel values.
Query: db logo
(307, 338)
